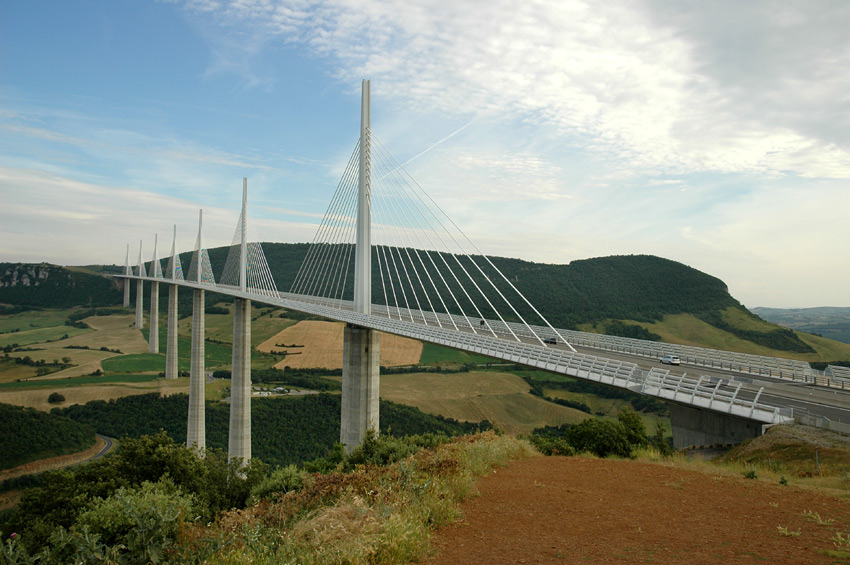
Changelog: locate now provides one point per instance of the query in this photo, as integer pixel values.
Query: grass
(78, 381)
(215, 354)
(31, 319)
(369, 515)
(501, 398)
(438, 355)
(40, 335)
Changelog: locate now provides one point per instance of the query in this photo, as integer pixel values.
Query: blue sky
(712, 133)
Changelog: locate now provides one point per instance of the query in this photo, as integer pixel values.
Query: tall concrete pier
(196, 435)
(171, 337)
(361, 347)
(153, 337)
(140, 292)
(155, 271)
(127, 281)
(196, 431)
(239, 440)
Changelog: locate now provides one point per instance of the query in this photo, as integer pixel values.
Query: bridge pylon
(361, 348)
(196, 435)
(171, 339)
(140, 292)
(153, 336)
(126, 279)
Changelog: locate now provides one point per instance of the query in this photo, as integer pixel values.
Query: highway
(833, 404)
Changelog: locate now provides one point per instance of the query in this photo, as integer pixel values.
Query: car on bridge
(670, 360)
(550, 341)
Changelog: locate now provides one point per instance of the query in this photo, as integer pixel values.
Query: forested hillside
(283, 430)
(632, 287)
(30, 435)
(51, 286)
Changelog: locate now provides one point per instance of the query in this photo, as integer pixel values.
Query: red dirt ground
(580, 510)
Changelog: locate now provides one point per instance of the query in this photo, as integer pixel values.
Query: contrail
(433, 145)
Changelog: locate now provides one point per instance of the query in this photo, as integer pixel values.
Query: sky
(716, 133)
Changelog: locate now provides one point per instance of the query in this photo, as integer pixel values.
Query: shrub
(281, 481)
(600, 437)
(55, 398)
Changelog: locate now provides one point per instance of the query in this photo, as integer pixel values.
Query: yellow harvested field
(37, 398)
(112, 332)
(501, 398)
(322, 343)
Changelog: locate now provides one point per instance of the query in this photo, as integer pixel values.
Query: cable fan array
(259, 276)
(424, 268)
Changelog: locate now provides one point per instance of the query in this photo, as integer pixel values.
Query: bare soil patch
(583, 510)
(322, 343)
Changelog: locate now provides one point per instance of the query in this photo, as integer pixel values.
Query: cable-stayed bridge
(387, 258)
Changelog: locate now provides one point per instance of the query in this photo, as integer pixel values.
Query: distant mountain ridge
(827, 321)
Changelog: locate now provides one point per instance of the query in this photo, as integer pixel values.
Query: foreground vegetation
(157, 502)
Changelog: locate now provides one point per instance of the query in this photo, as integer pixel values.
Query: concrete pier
(171, 345)
(360, 385)
(126, 293)
(140, 304)
(153, 338)
(697, 427)
(239, 440)
(196, 430)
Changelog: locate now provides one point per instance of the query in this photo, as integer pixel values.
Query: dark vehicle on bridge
(550, 341)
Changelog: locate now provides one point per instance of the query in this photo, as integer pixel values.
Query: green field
(40, 335)
(32, 319)
(75, 381)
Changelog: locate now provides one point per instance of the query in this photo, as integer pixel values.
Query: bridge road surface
(833, 404)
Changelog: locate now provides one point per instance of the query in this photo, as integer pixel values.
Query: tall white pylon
(155, 272)
(196, 431)
(239, 439)
(361, 361)
(140, 297)
(171, 339)
(363, 248)
(127, 273)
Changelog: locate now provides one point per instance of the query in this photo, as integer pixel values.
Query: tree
(55, 398)
(633, 426)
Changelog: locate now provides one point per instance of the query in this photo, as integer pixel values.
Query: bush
(144, 519)
(600, 437)
(281, 481)
(55, 398)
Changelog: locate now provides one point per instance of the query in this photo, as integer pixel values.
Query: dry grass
(501, 398)
(37, 398)
(323, 342)
(112, 332)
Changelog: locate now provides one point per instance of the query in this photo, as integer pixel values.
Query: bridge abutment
(697, 426)
(360, 385)
(171, 339)
(153, 338)
(239, 439)
(196, 435)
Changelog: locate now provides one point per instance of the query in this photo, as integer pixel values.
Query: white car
(671, 360)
